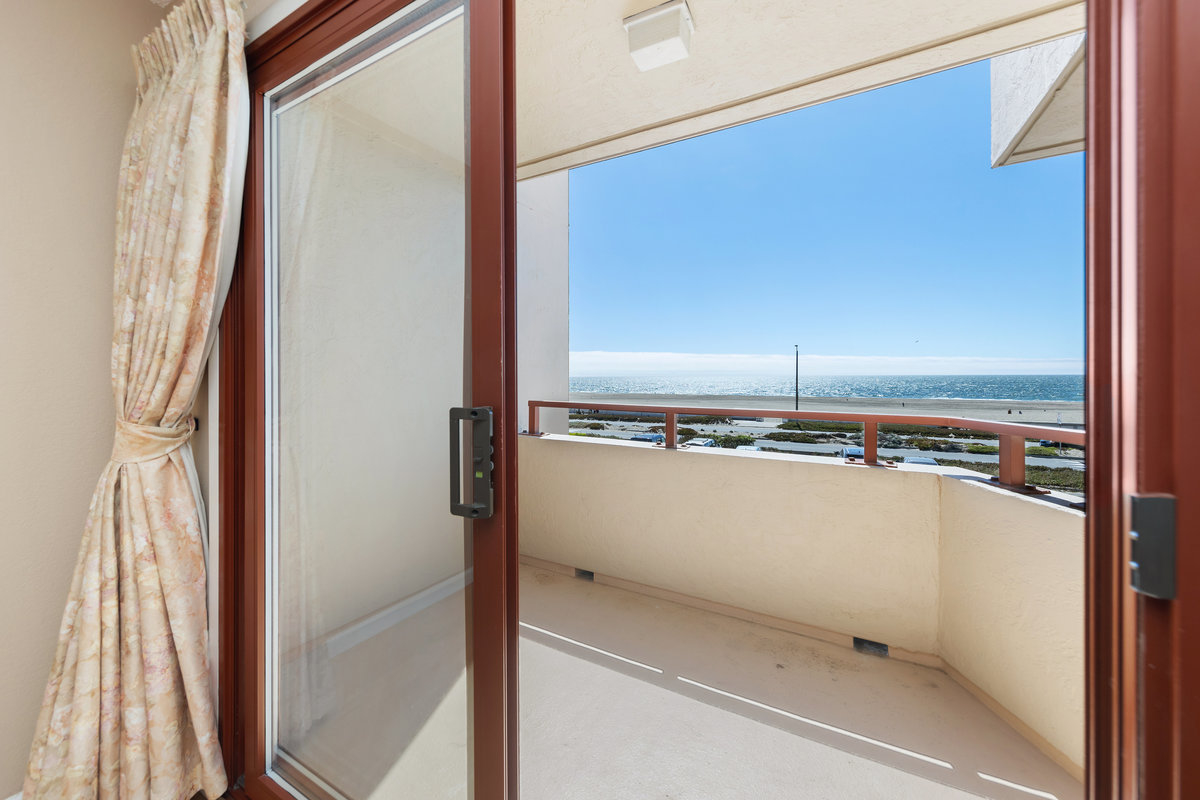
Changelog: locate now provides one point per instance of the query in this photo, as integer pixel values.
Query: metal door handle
(481, 462)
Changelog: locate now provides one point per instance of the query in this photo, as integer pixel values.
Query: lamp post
(797, 377)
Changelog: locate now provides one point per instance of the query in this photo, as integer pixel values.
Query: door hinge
(1152, 545)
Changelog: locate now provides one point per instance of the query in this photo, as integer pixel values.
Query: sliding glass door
(382, 319)
(368, 275)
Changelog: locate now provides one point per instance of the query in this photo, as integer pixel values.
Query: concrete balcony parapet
(935, 563)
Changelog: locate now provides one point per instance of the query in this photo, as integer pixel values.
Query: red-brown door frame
(1143, 201)
(313, 31)
(1110, 766)
(1143, 381)
(1164, 243)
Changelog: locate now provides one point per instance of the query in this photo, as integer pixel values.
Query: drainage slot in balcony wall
(588, 575)
(861, 645)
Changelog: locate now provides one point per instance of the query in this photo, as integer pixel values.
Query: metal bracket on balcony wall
(1152, 545)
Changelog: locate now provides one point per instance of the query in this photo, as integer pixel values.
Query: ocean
(948, 387)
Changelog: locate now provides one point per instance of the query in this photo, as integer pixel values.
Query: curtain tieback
(135, 443)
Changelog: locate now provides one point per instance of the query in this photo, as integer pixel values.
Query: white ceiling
(580, 97)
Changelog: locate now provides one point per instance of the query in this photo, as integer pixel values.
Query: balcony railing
(1011, 435)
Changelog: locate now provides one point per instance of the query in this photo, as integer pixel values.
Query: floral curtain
(128, 710)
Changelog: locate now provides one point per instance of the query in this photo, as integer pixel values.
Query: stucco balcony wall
(938, 566)
(1012, 606)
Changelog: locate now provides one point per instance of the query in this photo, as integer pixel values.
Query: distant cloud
(593, 363)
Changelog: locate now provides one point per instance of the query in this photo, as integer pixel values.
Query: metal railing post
(1012, 460)
(871, 442)
(672, 436)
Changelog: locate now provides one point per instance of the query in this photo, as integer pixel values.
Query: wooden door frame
(1143, 201)
(1143, 695)
(314, 30)
(1109, 766)
(1162, 248)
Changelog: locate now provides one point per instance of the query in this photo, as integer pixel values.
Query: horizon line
(605, 363)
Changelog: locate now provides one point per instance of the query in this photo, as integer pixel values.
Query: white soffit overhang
(1038, 101)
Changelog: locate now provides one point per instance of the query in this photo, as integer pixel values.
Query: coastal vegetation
(921, 437)
(806, 425)
(603, 417)
(733, 441)
(926, 431)
(1053, 451)
(930, 439)
(683, 419)
(937, 445)
(1061, 478)
(801, 437)
(1064, 478)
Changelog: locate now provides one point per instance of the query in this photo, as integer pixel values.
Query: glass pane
(369, 671)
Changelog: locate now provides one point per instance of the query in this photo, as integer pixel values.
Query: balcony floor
(740, 710)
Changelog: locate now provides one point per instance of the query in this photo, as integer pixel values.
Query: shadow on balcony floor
(627, 696)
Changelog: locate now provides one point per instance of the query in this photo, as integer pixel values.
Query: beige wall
(1012, 605)
(543, 332)
(989, 581)
(781, 536)
(67, 88)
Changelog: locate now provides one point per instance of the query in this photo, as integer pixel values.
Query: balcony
(742, 710)
(708, 647)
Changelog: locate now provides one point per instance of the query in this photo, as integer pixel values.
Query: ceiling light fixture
(660, 35)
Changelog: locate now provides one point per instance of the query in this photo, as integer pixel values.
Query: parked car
(852, 452)
(920, 460)
(752, 448)
(655, 438)
(700, 443)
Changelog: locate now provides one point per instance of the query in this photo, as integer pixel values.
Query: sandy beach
(1002, 410)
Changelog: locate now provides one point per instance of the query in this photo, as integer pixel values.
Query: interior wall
(67, 84)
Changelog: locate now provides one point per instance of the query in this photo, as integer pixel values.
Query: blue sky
(871, 231)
